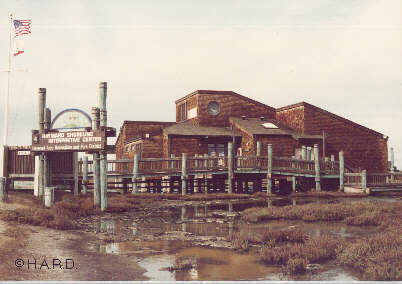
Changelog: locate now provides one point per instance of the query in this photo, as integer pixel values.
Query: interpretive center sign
(68, 141)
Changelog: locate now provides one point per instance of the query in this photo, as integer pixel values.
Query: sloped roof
(189, 129)
(254, 126)
(227, 93)
(304, 104)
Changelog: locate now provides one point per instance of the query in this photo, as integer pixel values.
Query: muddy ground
(140, 243)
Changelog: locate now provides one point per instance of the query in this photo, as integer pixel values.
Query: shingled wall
(363, 148)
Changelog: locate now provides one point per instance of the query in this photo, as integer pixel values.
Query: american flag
(22, 27)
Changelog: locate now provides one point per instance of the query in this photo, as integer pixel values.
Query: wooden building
(207, 120)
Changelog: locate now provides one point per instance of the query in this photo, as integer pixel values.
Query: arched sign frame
(71, 110)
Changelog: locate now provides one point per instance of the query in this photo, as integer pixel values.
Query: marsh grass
(370, 212)
(379, 257)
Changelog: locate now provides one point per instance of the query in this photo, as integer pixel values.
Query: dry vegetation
(314, 212)
(62, 215)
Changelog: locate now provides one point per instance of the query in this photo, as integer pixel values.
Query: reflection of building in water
(230, 207)
(104, 226)
(110, 248)
(269, 203)
(134, 228)
(183, 219)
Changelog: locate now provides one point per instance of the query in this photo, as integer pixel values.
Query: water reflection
(104, 226)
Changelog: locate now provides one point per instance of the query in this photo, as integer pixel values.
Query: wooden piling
(3, 190)
(41, 175)
(103, 154)
(364, 180)
(304, 152)
(269, 170)
(392, 164)
(341, 171)
(205, 175)
(308, 156)
(75, 172)
(85, 175)
(258, 152)
(135, 174)
(317, 168)
(96, 160)
(183, 174)
(42, 105)
(195, 180)
(230, 167)
(332, 158)
(49, 196)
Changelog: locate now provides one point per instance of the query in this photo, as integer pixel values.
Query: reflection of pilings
(183, 213)
(183, 219)
(205, 210)
(269, 203)
(230, 207)
(230, 228)
(196, 211)
(134, 228)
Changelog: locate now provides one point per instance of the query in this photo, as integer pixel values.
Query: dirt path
(71, 248)
(29, 243)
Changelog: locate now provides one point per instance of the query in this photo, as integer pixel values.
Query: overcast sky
(343, 56)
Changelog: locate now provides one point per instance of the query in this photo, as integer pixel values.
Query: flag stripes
(22, 27)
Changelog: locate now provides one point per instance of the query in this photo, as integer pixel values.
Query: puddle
(216, 220)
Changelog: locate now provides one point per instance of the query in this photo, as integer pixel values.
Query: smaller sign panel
(23, 153)
(192, 113)
(71, 119)
(79, 141)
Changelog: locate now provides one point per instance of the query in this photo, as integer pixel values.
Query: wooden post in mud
(3, 191)
(49, 196)
(317, 168)
(183, 173)
(308, 157)
(364, 180)
(392, 164)
(332, 158)
(341, 171)
(85, 175)
(205, 175)
(269, 170)
(230, 167)
(304, 152)
(103, 154)
(172, 166)
(46, 166)
(42, 105)
(75, 172)
(135, 174)
(293, 177)
(195, 180)
(96, 165)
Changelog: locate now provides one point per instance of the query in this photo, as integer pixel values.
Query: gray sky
(343, 56)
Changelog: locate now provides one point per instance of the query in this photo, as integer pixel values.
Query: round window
(213, 108)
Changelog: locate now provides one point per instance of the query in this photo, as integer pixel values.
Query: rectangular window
(182, 111)
(216, 150)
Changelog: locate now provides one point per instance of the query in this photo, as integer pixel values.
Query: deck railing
(157, 165)
(251, 162)
(293, 165)
(353, 179)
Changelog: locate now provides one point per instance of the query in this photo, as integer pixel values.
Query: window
(216, 150)
(182, 111)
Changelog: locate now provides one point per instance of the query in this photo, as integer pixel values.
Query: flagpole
(5, 129)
